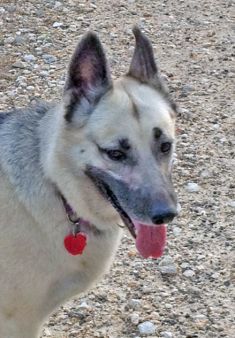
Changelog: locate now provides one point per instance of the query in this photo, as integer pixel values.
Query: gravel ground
(189, 292)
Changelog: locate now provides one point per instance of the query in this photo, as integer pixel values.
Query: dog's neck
(77, 223)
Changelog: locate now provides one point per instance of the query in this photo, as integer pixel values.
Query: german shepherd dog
(72, 172)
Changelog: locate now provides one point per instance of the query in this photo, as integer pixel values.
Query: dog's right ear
(88, 78)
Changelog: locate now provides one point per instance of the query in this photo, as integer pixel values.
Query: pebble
(188, 273)
(84, 305)
(192, 187)
(18, 64)
(31, 88)
(29, 58)
(231, 204)
(19, 40)
(176, 231)
(57, 24)
(135, 318)
(9, 40)
(58, 4)
(185, 113)
(167, 266)
(134, 303)
(205, 173)
(147, 328)
(184, 265)
(44, 73)
(11, 8)
(186, 89)
(48, 58)
(200, 321)
(166, 334)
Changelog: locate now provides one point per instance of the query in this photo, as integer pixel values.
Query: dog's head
(117, 140)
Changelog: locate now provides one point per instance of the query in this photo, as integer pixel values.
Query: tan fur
(37, 274)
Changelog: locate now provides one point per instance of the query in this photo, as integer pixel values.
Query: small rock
(147, 289)
(185, 113)
(166, 334)
(167, 266)
(192, 187)
(29, 58)
(48, 58)
(44, 73)
(185, 90)
(200, 321)
(39, 13)
(31, 88)
(47, 332)
(18, 64)
(215, 275)
(184, 265)
(19, 40)
(11, 8)
(135, 318)
(57, 24)
(58, 4)
(147, 328)
(9, 40)
(231, 204)
(179, 208)
(176, 231)
(188, 273)
(134, 303)
(205, 173)
(84, 305)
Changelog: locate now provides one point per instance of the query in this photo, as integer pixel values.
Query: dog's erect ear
(143, 66)
(88, 76)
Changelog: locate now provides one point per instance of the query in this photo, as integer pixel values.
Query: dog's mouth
(150, 239)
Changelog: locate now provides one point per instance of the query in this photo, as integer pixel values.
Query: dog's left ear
(88, 77)
(143, 66)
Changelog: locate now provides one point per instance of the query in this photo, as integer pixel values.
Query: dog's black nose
(163, 215)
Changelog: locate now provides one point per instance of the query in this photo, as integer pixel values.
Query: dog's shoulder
(20, 143)
(38, 109)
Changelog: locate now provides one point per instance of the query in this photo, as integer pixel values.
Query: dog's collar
(78, 224)
(73, 218)
(76, 241)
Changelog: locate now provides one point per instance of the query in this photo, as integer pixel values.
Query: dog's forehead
(149, 106)
(132, 108)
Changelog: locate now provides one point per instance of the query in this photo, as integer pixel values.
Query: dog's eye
(115, 155)
(165, 147)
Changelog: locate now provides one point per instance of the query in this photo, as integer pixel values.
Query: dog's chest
(78, 273)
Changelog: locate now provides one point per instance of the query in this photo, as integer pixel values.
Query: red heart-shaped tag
(75, 244)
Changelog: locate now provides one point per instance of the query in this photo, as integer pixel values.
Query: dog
(73, 173)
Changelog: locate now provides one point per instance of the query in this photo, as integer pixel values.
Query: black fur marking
(157, 132)
(124, 144)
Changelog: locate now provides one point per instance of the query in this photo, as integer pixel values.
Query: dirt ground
(189, 292)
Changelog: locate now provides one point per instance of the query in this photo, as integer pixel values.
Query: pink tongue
(151, 240)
